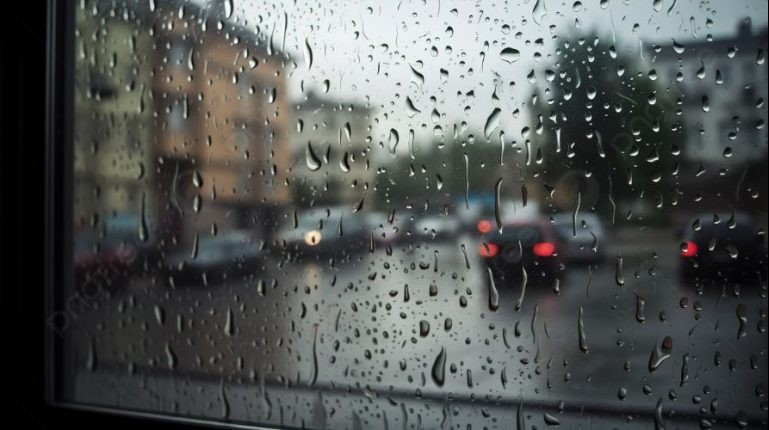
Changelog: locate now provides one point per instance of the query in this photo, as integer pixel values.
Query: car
(529, 245)
(217, 259)
(436, 227)
(101, 263)
(723, 248)
(479, 216)
(109, 254)
(389, 228)
(582, 239)
(325, 233)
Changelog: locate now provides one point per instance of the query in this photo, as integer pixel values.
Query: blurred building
(338, 135)
(187, 112)
(719, 88)
(112, 123)
(222, 135)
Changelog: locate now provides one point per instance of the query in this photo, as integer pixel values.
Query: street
(416, 330)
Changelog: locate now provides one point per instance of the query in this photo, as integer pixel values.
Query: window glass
(419, 214)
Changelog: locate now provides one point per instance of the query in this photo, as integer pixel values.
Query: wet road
(373, 333)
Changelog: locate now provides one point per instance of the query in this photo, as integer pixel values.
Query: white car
(582, 241)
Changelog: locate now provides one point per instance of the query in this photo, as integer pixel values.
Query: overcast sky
(366, 50)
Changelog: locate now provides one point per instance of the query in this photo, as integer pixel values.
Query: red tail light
(543, 249)
(488, 250)
(688, 249)
(484, 226)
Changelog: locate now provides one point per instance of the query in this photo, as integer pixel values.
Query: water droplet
(229, 7)
(582, 336)
(344, 162)
(705, 104)
(143, 230)
(416, 76)
(411, 108)
(684, 370)
(393, 139)
(497, 197)
(659, 422)
(439, 368)
(170, 357)
(678, 48)
(510, 55)
(358, 206)
(493, 293)
(539, 11)
(524, 280)
(229, 327)
(424, 328)
(315, 368)
(743, 318)
(313, 162)
(492, 122)
(197, 179)
(660, 353)
(640, 303)
(551, 419)
(307, 54)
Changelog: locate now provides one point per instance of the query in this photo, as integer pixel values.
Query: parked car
(529, 245)
(479, 217)
(436, 227)
(101, 263)
(581, 241)
(722, 247)
(390, 229)
(216, 259)
(325, 232)
(111, 253)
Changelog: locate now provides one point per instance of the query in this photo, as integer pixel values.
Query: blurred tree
(441, 173)
(603, 132)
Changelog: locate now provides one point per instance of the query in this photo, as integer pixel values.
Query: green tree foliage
(616, 125)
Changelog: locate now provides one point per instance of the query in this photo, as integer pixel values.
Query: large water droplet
(493, 293)
(313, 162)
(439, 368)
(492, 122)
(510, 55)
(583, 346)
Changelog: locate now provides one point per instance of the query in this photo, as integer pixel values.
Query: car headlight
(312, 237)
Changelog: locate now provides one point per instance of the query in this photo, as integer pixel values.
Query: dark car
(325, 233)
(102, 262)
(523, 245)
(216, 259)
(723, 248)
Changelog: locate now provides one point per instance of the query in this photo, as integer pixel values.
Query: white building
(719, 87)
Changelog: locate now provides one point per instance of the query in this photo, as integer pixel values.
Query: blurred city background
(370, 212)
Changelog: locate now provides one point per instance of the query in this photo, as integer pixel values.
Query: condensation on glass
(420, 214)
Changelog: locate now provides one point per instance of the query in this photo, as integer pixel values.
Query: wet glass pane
(420, 214)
